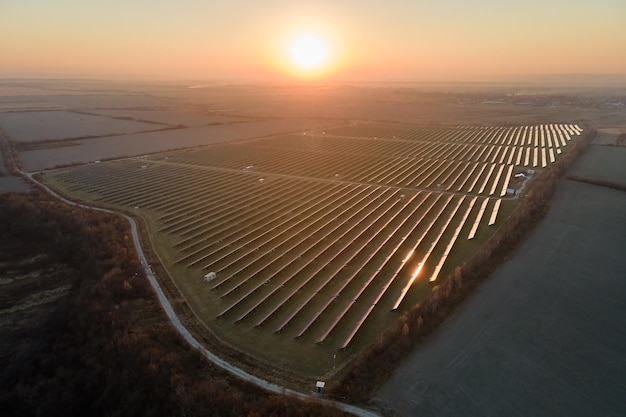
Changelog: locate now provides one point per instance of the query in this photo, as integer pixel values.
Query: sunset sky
(366, 40)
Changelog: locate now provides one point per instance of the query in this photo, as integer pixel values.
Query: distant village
(548, 100)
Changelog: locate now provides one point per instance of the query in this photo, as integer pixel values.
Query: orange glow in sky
(308, 56)
(306, 49)
(279, 40)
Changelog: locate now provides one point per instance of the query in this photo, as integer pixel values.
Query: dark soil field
(545, 335)
(30, 126)
(603, 163)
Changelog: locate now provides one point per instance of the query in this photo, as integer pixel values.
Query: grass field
(544, 335)
(320, 239)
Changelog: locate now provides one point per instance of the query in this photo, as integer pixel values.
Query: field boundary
(596, 182)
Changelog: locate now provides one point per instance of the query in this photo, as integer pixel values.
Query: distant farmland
(84, 151)
(31, 126)
(319, 240)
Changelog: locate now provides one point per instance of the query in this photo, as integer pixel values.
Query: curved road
(189, 338)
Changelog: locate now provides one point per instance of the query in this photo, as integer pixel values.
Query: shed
(210, 276)
(319, 387)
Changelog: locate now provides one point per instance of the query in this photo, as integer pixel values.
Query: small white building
(319, 387)
(210, 276)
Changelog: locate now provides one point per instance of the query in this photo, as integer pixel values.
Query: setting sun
(308, 53)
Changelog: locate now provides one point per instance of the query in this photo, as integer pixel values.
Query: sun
(309, 53)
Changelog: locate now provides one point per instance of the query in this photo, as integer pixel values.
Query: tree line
(7, 152)
(108, 348)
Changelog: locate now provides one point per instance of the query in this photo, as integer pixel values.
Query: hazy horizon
(446, 41)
